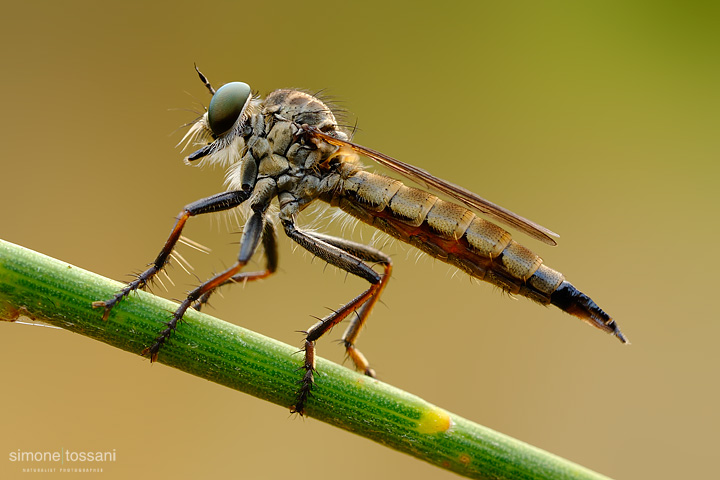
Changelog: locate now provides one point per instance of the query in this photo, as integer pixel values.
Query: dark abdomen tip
(574, 302)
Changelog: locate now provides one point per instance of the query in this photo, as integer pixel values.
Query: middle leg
(269, 241)
(252, 234)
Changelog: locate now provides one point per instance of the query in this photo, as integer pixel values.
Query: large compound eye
(227, 105)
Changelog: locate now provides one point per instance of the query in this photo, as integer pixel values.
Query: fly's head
(225, 131)
(222, 129)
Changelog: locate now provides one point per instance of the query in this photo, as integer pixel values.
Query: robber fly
(289, 146)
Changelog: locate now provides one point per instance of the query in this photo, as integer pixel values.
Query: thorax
(275, 149)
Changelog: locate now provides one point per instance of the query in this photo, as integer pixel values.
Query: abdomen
(455, 235)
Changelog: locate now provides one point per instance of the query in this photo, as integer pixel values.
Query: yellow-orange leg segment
(353, 331)
(242, 277)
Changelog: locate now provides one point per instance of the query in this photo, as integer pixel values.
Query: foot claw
(152, 352)
(103, 304)
(107, 305)
(303, 395)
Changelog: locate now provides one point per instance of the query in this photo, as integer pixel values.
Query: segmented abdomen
(454, 234)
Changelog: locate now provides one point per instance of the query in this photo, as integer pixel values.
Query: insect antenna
(204, 80)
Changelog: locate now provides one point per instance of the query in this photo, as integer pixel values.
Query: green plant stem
(41, 288)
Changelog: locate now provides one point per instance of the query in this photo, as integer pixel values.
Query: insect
(289, 146)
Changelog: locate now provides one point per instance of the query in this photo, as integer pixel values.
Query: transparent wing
(459, 193)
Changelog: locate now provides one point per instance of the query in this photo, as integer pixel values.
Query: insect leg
(368, 254)
(215, 203)
(346, 260)
(269, 240)
(252, 233)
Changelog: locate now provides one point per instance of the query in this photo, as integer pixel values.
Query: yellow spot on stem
(434, 420)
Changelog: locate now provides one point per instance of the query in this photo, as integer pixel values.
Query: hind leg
(351, 257)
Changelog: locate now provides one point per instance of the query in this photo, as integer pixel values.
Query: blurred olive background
(599, 121)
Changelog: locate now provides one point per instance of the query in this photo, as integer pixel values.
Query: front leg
(215, 203)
